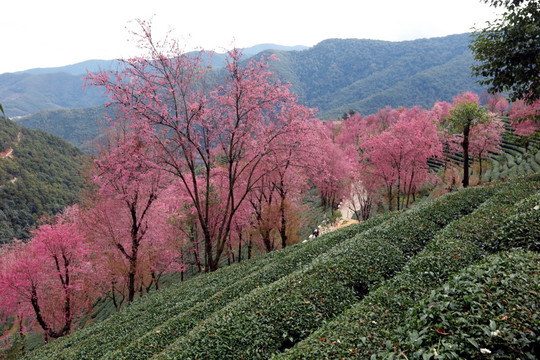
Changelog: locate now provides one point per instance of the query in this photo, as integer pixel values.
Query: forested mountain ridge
(365, 75)
(333, 76)
(78, 126)
(41, 175)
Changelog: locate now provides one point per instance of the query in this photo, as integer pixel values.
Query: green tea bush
(490, 310)
(522, 229)
(155, 309)
(366, 330)
(489, 217)
(164, 334)
(273, 318)
(535, 167)
(359, 264)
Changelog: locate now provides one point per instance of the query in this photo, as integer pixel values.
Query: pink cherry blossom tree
(399, 154)
(525, 119)
(229, 122)
(486, 138)
(129, 183)
(334, 172)
(49, 281)
(497, 104)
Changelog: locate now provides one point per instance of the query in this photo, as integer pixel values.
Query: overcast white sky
(47, 33)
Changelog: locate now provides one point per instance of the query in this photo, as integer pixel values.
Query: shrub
(367, 328)
(275, 317)
(522, 228)
(490, 310)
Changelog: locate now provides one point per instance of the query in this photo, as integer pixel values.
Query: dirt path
(348, 205)
(9, 152)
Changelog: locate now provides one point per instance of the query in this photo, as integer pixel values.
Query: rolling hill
(364, 75)
(454, 277)
(78, 126)
(334, 76)
(39, 174)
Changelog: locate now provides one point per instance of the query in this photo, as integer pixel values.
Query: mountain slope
(345, 294)
(366, 75)
(334, 75)
(78, 126)
(40, 176)
(23, 94)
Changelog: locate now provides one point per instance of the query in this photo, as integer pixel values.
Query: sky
(39, 33)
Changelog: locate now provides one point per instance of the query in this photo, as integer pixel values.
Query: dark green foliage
(490, 217)
(274, 318)
(490, 310)
(369, 328)
(175, 310)
(78, 126)
(508, 51)
(520, 156)
(365, 75)
(521, 229)
(347, 294)
(42, 178)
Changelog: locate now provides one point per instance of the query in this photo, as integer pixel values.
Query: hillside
(39, 174)
(78, 126)
(364, 75)
(440, 279)
(334, 76)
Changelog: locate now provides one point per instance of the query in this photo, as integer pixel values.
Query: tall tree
(220, 129)
(465, 114)
(129, 183)
(507, 51)
(399, 154)
(49, 281)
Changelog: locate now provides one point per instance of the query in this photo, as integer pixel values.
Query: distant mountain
(364, 75)
(74, 69)
(39, 174)
(27, 92)
(254, 50)
(78, 126)
(334, 76)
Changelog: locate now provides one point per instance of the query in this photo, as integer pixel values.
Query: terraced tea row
(370, 328)
(340, 295)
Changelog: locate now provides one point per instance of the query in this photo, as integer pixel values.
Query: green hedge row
(522, 227)
(366, 329)
(157, 338)
(490, 310)
(274, 318)
(162, 304)
(154, 309)
(481, 228)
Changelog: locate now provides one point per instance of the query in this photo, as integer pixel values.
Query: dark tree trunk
(465, 145)
(283, 227)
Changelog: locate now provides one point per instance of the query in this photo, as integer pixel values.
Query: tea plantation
(451, 278)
